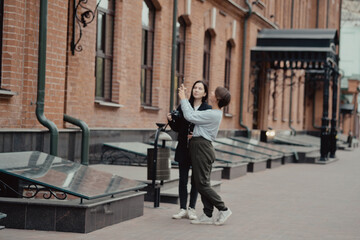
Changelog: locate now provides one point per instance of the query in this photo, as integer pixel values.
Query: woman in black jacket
(177, 122)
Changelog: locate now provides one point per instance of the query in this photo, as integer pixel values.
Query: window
(180, 56)
(104, 50)
(148, 19)
(1, 31)
(206, 60)
(227, 70)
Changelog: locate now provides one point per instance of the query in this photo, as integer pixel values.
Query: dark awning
(303, 48)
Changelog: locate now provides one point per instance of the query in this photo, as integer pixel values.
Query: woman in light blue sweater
(202, 153)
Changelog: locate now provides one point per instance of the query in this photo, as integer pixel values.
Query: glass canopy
(64, 175)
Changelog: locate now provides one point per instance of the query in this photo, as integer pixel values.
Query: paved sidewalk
(292, 202)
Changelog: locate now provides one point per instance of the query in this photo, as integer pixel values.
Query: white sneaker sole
(201, 223)
(221, 223)
(173, 217)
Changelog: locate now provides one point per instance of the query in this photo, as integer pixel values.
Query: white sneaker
(203, 219)
(181, 214)
(191, 213)
(222, 216)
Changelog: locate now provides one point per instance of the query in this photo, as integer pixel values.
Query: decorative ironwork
(34, 190)
(82, 20)
(114, 156)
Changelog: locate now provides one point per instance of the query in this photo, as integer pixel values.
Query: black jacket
(183, 128)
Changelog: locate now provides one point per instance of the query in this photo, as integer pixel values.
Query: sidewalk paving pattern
(292, 202)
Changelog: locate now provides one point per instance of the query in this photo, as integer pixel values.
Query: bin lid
(162, 136)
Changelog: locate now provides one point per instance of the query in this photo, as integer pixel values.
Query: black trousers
(184, 168)
(202, 155)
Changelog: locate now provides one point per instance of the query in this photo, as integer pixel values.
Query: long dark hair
(204, 99)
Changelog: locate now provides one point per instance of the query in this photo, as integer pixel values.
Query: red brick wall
(20, 62)
(70, 79)
(12, 62)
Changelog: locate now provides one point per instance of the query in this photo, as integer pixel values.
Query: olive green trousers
(202, 156)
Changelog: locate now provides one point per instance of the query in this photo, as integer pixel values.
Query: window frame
(147, 68)
(207, 57)
(106, 91)
(227, 74)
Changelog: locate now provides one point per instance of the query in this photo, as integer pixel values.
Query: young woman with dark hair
(197, 101)
(202, 153)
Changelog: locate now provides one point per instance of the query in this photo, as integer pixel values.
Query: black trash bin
(163, 163)
(158, 162)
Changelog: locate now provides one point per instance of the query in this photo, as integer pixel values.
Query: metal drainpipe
(292, 13)
(242, 69)
(84, 137)
(173, 56)
(54, 133)
(290, 109)
(317, 13)
(327, 13)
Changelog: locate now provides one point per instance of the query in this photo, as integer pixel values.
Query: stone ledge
(71, 216)
(4, 93)
(108, 104)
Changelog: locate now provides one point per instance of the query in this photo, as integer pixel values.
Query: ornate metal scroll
(82, 19)
(114, 156)
(35, 190)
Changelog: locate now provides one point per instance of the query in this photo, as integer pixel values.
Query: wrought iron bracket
(82, 16)
(35, 189)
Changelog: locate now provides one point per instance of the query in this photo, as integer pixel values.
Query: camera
(176, 114)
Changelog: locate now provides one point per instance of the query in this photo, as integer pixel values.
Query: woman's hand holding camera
(169, 117)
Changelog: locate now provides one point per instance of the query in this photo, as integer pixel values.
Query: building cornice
(264, 20)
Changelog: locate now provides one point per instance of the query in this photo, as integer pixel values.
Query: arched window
(148, 25)
(180, 55)
(104, 49)
(206, 60)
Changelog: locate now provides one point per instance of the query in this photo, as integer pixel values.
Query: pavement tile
(292, 202)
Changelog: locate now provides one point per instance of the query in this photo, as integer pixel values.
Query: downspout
(327, 13)
(243, 68)
(84, 137)
(292, 13)
(290, 108)
(173, 56)
(340, 14)
(54, 133)
(317, 13)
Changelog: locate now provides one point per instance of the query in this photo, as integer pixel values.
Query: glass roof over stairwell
(65, 176)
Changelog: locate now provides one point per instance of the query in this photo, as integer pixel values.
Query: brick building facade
(122, 90)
